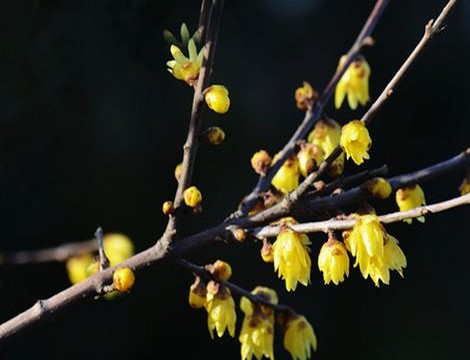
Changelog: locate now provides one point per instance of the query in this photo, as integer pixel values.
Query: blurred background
(92, 126)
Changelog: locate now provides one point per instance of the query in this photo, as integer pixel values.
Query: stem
(192, 141)
(325, 226)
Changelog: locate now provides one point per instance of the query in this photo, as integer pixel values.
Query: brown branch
(203, 273)
(430, 31)
(325, 226)
(54, 254)
(312, 115)
(211, 15)
(160, 251)
(104, 261)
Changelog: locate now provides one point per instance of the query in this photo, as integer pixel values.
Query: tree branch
(210, 15)
(160, 252)
(312, 115)
(59, 253)
(325, 226)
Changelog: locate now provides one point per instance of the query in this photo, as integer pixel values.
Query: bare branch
(192, 141)
(59, 253)
(325, 226)
(312, 115)
(104, 261)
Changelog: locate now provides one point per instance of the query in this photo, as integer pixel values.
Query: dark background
(91, 127)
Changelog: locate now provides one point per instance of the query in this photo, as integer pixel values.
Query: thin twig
(203, 273)
(104, 261)
(312, 115)
(192, 141)
(54, 254)
(324, 226)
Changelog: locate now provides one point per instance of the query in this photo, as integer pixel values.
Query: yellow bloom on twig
(366, 242)
(333, 261)
(376, 251)
(326, 135)
(354, 83)
(291, 258)
(299, 337)
(257, 332)
(287, 177)
(355, 141)
(410, 197)
(184, 68)
(220, 308)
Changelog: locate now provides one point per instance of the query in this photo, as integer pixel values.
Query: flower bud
(261, 161)
(197, 294)
(267, 251)
(167, 207)
(123, 279)
(378, 187)
(304, 96)
(220, 270)
(310, 156)
(192, 196)
(178, 171)
(214, 135)
(217, 99)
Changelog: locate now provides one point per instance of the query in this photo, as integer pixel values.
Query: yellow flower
(299, 337)
(354, 83)
(376, 251)
(291, 258)
(287, 177)
(123, 279)
(333, 261)
(192, 196)
(355, 141)
(378, 187)
(118, 247)
(310, 157)
(168, 207)
(326, 134)
(394, 258)
(217, 98)
(304, 96)
(220, 308)
(410, 197)
(257, 332)
(183, 68)
(464, 187)
(77, 267)
(366, 243)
